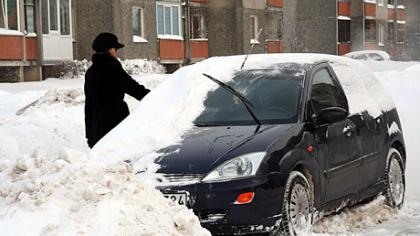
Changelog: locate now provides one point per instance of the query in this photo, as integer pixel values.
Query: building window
(381, 40)
(400, 33)
(138, 25)
(198, 23)
(168, 19)
(53, 4)
(45, 24)
(391, 31)
(65, 17)
(30, 16)
(9, 14)
(254, 29)
(380, 2)
(344, 31)
(51, 10)
(370, 30)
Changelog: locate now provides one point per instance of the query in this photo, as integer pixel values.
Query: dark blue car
(277, 145)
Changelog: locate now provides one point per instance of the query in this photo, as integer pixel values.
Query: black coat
(106, 83)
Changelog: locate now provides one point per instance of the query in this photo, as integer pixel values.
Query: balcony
(275, 3)
(274, 46)
(344, 48)
(171, 51)
(370, 10)
(14, 49)
(199, 49)
(343, 8)
(391, 14)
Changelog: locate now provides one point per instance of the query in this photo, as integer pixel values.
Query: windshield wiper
(245, 101)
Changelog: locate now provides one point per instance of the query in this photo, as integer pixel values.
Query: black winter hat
(105, 41)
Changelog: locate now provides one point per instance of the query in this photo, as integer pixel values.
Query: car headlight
(238, 167)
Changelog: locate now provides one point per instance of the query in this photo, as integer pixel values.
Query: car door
(339, 142)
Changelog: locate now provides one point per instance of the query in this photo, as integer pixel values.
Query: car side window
(325, 93)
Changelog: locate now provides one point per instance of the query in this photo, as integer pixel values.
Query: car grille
(178, 179)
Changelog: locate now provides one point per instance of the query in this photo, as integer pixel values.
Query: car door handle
(348, 130)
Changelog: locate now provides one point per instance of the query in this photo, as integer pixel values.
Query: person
(106, 83)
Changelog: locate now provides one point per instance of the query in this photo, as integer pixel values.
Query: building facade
(176, 32)
(34, 36)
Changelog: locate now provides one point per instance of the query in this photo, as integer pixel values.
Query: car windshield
(274, 94)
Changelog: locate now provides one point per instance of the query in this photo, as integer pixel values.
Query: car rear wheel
(297, 206)
(394, 180)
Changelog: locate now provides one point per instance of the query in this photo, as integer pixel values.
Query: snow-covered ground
(43, 158)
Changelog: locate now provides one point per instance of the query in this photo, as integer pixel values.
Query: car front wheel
(297, 206)
(394, 180)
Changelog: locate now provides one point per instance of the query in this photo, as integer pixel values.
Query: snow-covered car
(286, 139)
(369, 55)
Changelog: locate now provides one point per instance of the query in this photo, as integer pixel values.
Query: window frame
(58, 11)
(381, 35)
(5, 15)
(254, 35)
(33, 6)
(69, 18)
(347, 34)
(141, 28)
(201, 14)
(334, 79)
(169, 5)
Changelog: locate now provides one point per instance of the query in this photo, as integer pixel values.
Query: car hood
(204, 148)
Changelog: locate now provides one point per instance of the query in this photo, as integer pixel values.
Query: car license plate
(180, 198)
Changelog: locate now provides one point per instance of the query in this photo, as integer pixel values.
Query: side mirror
(332, 114)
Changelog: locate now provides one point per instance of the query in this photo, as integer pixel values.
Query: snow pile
(77, 69)
(142, 66)
(356, 218)
(70, 194)
(49, 186)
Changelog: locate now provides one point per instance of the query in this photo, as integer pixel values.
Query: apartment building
(171, 32)
(176, 32)
(34, 35)
(234, 26)
(413, 29)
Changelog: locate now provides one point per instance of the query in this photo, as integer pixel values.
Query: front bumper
(214, 204)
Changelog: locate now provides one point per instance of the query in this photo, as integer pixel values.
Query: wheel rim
(299, 209)
(396, 182)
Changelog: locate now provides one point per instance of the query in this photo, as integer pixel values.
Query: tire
(297, 206)
(394, 180)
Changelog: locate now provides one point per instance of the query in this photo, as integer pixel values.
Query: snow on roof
(168, 112)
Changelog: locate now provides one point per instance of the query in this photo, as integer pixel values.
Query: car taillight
(245, 198)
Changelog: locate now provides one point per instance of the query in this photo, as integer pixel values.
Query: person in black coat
(106, 84)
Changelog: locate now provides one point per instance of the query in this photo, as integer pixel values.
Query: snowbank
(77, 69)
(49, 186)
(70, 194)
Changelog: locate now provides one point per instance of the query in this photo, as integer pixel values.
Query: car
(286, 139)
(369, 55)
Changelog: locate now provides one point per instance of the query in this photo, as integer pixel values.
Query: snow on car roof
(164, 115)
(383, 54)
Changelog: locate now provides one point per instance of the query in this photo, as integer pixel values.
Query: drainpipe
(363, 26)
(38, 20)
(22, 26)
(187, 32)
